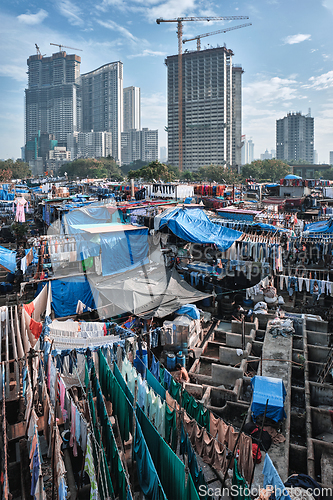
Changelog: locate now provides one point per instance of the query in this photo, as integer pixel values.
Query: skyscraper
(139, 145)
(247, 151)
(211, 109)
(331, 157)
(295, 138)
(102, 98)
(53, 96)
(89, 144)
(132, 109)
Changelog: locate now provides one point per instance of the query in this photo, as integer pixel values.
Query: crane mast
(179, 22)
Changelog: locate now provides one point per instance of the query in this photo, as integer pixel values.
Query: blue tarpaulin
(292, 176)
(193, 225)
(67, 292)
(269, 227)
(323, 226)
(8, 259)
(124, 250)
(272, 389)
(190, 310)
(88, 215)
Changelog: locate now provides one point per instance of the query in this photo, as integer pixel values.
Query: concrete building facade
(247, 151)
(102, 97)
(295, 138)
(53, 96)
(89, 144)
(211, 109)
(132, 108)
(331, 157)
(139, 145)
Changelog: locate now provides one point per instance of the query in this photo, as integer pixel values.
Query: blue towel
(271, 477)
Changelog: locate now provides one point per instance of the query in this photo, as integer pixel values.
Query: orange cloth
(35, 328)
(29, 308)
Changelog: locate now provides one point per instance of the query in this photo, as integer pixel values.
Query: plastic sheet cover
(193, 225)
(67, 292)
(323, 226)
(146, 292)
(272, 389)
(189, 310)
(8, 259)
(124, 250)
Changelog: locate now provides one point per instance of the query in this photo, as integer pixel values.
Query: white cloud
(171, 9)
(147, 52)
(320, 82)
(271, 90)
(117, 27)
(328, 4)
(13, 71)
(33, 19)
(72, 12)
(292, 39)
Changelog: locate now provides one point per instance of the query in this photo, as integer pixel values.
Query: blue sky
(287, 56)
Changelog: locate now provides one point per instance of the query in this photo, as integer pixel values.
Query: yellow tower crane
(198, 37)
(179, 21)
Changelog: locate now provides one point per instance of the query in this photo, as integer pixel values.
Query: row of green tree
(261, 170)
(107, 168)
(14, 170)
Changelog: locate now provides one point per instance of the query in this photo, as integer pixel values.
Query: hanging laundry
(90, 470)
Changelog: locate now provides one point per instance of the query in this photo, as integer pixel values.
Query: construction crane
(179, 21)
(198, 37)
(38, 51)
(65, 47)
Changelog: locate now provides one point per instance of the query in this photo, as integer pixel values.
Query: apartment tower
(295, 138)
(53, 96)
(102, 96)
(212, 109)
(132, 109)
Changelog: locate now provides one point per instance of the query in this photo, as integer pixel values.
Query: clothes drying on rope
(21, 206)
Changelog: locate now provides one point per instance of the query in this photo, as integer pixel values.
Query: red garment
(29, 308)
(35, 328)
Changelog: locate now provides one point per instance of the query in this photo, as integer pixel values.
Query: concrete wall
(316, 326)
(318, 338)
(228, 375)
(321, 394)
(235, 339)
(228, 355)
(318, 353)
(321, 422)
(237, 326)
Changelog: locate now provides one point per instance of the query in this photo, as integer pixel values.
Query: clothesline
(180, 411)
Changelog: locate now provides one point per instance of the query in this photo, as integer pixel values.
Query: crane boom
(179, 21)
(64, 46)
(198, 37)
(224, 18)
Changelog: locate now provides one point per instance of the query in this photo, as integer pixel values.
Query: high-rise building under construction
(212, 109)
